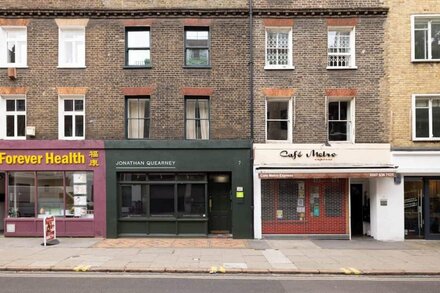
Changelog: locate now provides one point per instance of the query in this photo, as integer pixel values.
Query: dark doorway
(356, 210)
(219, 194)
(414, 226)
(2, 201)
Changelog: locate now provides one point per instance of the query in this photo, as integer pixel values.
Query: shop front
(65, 179)
(420, 173)
(323, 191)
(179, 188)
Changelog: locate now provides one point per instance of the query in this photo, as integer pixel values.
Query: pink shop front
(65, 179)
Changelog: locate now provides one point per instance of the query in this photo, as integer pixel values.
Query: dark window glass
(434, 206)
(338, 121)
(197, 47)
(68, 126)
(277, 130)
(420, 44)
(277, 120)
(133, 200)
(191, 199)
(132, 177)
(21, 125)
(10, 105)
(138, 47)
(422, 122)
(435, 40)
(79, 125)
(138, 118)
(161, 177)
(21, 191)
(79, 105)
(21, 105)
(436, 118)
(162, 199)
(68, 105)
(338, 131)
(277, 110)
(333, 111)
(10, 125)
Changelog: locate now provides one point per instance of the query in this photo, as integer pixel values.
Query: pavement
(362, 256)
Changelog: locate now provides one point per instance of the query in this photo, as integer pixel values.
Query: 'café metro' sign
(313, 154)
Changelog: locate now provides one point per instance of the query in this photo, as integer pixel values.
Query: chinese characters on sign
(94, 156)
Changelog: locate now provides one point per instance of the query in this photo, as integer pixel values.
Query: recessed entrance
(414, 197)
(2, 202)
(219, 193)
(356, 192)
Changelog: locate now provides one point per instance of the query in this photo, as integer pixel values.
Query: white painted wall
(387, 222)
(257, 207)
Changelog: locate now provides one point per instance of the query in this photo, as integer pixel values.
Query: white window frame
(62, 113)
(3, 47)
(351, 137)
(413, 51)
(290, 49)
(289, 117)
(3, 113)
(61, 49)
(352, 30)
(413, 117)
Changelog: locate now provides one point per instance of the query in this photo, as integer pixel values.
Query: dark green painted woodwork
(223, 156)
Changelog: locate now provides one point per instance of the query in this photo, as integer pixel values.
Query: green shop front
(179, 188)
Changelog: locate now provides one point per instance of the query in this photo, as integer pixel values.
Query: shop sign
(49, 228)
(50, 158)
(146, 164)
(313, 154)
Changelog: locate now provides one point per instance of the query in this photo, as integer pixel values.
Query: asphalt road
(168, 283)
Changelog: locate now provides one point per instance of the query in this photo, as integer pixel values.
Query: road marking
(350, 271)
(82, 268)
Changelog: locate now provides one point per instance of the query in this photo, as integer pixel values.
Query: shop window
(191, 199)
(161, 200)
(426, 119)
(14, 110)
(334, 199)
(21, 194)
(71, 117)
(60, 194)
(137, 47)
(340, 121)
(71, 51)
(197, 118)
(138, 118)
(13, 46)
(133, 200)
(425, 38)
(197, 46)
(278, 120)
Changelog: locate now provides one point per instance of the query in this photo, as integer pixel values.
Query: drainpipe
(251, 67)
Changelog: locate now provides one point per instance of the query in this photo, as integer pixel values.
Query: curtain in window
(191, 121)
(204, 118)
(136, 115)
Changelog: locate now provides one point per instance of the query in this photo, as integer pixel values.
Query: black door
(413, 198)
(219, 194)
(356, 209)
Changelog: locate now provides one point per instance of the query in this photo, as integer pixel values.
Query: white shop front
(326, 191)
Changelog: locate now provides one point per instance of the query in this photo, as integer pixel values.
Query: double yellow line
(82, 268)
(351, 271)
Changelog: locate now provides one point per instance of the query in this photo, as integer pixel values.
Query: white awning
(311, 173)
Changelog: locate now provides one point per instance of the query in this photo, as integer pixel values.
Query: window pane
(139, 57)
(146, 104)
(420, 45)
(191, 199)
(10, 125)
(134, 200)
(277, 130)
(68, 105)
(138, 39)
(197, 38)
(21, 194)
(197, 57)
(204, 129)
(10, 105)
(436, 118)
(343, 106)
(11, 51)
(146, 128)
(50, 193)
(21, 125)
(277, 109)
(79, 105)
(161, 199)
(69, 53)
(79, 125)
(21, 105)
(434, 206)
(338, 131)
(191, 108)
(161, 177)
(422, 122)
(132, 177)
(333, 111)
(435, 31)
(68, 126)
(79, 194)
(422, 103)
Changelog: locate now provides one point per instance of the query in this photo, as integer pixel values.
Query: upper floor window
(341, 48)
(13, 110)
(197, 46)
(72, 47)
(279, 48)
(71, 117)
(340, 121)
(425, 38)
(137, 47)
(426, 117)
(197, 118)
(278, 120)
(138, 117)
(13, 47)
